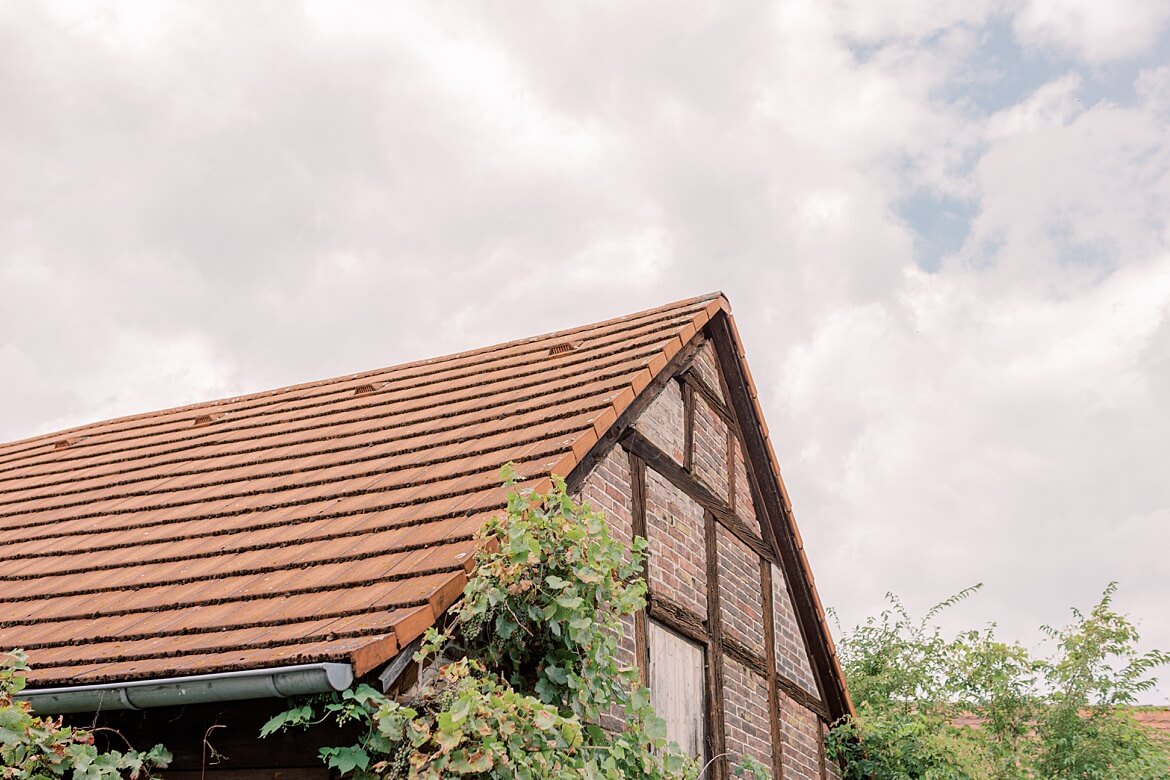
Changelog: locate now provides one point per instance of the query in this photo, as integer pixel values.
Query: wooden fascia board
(743, 402)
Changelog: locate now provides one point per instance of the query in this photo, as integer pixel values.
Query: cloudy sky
(943, 225)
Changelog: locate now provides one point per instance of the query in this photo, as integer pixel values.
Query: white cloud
(237, 197)
(1053, 105)
(1096, 31)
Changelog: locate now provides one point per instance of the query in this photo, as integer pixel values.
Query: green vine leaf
(524, 681)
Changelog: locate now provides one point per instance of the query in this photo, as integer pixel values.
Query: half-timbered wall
(679, 477)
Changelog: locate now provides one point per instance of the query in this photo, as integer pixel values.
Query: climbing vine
(37, 748)
(524, 681)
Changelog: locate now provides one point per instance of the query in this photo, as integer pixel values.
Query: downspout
(280, 681)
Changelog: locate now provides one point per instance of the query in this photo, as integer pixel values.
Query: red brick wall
(740, 592)
(706, 366)
(745, 713)
(745, 505)
(607, 489)
(791, 655)
(800, 738)
(674, 527)
(710, 448)
(662, 422)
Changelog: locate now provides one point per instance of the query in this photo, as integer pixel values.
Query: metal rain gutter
(280, 681)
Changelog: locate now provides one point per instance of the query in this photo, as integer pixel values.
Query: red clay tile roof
(1156, 718)
(326, 521)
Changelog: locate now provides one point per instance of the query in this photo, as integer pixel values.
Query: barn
(175, 574)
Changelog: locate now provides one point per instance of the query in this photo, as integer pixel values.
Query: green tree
(972, 706)
(35, 748)
(524, 675)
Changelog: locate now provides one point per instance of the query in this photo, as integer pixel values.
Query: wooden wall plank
(679, 690)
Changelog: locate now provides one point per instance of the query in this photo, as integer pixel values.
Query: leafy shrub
(33, 748)
(974, 707)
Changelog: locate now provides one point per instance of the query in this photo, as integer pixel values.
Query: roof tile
(302, 524)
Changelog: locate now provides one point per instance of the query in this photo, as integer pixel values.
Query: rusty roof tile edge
(199, 405)
(789, 515)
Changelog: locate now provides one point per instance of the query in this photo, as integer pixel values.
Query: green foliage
(35, 748)
(973, 707)
(524, 675)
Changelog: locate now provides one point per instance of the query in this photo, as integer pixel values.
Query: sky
(943, 226)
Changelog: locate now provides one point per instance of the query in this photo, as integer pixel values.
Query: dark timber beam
(779, 517)
(638, 507)
(626, 419)
(635, 442)
(770, 652)
(717, 735)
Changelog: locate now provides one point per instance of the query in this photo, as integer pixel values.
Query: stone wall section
(745, 714)
(800, 737)
(740, 591)
(791, 654)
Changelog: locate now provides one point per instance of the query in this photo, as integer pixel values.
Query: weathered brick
(607, 489)
(662, 422)
(674, 525)
(706, 366)
(613, 719)
(791, 654)
(745, 506)
(745, 714)
(800, 740)
(709, 449)
(740, 591)
(677, 570)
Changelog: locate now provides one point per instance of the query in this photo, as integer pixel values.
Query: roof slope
(326, 521)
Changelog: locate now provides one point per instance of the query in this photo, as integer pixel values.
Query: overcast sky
(943, 225)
